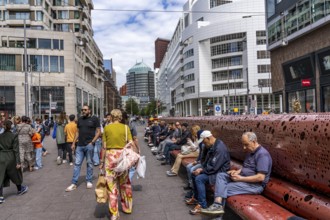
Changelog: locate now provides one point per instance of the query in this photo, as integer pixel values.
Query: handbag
(141, 167)
(188, 148)
(127, 158)
(101, 191)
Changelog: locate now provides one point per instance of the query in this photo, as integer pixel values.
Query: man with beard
(87, 133)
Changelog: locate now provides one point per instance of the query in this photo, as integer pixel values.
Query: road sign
(253, 103)
(217, 109)
(53, 105)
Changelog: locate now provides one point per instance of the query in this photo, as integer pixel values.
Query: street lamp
(262, 97)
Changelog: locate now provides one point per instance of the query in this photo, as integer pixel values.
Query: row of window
(263, 54)
(228, 37)
(188, 66)
(188, 53)
(238, 85)
(189, 90)
(215, 3)
(189, 78)
(264, 83)
(302, 14)
(227, 48)
(39, 63)
(264, 68)
(39, 43)
(223, 75)
(226, 62)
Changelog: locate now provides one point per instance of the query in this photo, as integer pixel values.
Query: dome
(140, 68)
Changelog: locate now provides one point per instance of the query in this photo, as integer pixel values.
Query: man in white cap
(217, 160)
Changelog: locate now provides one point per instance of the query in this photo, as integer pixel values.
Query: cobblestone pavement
(161, 197)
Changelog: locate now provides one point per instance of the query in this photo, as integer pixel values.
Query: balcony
(86, 25)
(17, 22)
(17, 7)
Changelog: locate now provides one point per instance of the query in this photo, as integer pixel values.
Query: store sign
(305, 82)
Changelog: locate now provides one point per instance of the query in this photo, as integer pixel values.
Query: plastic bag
(141, 167)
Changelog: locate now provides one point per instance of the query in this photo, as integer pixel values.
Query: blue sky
(128, 37)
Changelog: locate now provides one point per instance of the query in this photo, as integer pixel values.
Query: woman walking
(25, 132)
(10, 162)
(115, 137)
(60, 138)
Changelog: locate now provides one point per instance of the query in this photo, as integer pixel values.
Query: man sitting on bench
(251, 179)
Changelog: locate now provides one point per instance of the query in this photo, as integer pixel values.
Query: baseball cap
(204, 134)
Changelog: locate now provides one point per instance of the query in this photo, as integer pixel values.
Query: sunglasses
(84, 109)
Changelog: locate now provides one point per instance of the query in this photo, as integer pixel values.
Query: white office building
(217, 57)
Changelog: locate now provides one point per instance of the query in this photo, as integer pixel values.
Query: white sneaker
(64, 161)
(71, 164)
(154, 148)
(71, 188)
(89, 185)
(59, 160)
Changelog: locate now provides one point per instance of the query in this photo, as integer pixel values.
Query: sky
(128, 37)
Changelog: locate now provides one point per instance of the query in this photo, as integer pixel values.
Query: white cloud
(129, 36)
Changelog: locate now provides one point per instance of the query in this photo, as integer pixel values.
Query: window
(189, 90)
(186, 20)
(188, 66)
(264, 83)
(226, 62)
(63, 14)
(223, 75)
(61, 64)
(7, 62)
(56, 44)
(18, 1)
(39, 2)
(226, 48)
(46, 64)
(36, 63)
(215, 3)
(227, 37)
(270, 8)
(188, 53)
(44, 43)
(189, 78)
(263, 54)
(76, 27)
(238, 85)
(61, 44)
(263, 68)
(306, 99)
(326, 98)
(76, 14)
(39, 16)
(19, 15)
(54, 64)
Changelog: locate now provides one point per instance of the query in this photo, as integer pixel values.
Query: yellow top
(114, 135)
(70, 131)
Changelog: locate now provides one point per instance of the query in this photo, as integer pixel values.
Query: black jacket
(183, 140)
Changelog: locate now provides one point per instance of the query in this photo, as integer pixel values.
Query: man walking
(88, 131)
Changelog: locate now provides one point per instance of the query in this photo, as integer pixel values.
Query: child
(36, 140)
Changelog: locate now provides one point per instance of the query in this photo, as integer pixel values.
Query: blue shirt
(258, 161)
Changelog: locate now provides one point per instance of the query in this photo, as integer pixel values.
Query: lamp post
(26, 84)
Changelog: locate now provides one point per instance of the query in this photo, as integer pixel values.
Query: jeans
(81, 153)
(168, 149)
(191, 168)
(199, 188)
(97, 150)
(224, 187)
(38, 152)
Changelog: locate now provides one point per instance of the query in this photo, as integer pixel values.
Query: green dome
(140, 68)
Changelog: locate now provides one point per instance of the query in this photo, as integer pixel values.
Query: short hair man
(251, 179)
(217, 160)
(87, 133)
(70, 131)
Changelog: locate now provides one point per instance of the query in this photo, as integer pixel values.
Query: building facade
(112, 99)
(141, 83)
(300, 53)
(123, 90)
(160, 50)
(62, 61)
(217, 60)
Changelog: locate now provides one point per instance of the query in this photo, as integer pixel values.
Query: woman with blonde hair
(192, 150)
(115, 137)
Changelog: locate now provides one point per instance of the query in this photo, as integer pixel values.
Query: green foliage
(151, 108)
(132, 107)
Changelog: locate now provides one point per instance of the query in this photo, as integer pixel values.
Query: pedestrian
(10, 163)
(251, 179)
(60, 138)
(24, 131)
(70, 131)
(88, 130)
(115, 137)
(36, 140)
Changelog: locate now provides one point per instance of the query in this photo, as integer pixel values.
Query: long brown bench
(248, 206)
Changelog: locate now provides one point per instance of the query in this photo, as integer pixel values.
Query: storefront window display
(306, 98)
(326, 99)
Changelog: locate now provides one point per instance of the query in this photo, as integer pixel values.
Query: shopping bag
(101, 191)
(127, 159)
(141, 167)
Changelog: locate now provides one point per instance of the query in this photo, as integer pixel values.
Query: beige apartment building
(63, 62)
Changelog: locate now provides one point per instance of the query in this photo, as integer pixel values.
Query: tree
(151, 108)
(132, 107)
(143, 112)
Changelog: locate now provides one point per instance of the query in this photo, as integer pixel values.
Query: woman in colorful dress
(115, 137)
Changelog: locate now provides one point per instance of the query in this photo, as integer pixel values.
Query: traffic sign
(217, 109)
(53, 105)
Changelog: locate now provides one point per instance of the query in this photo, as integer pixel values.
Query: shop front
(323, 61)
